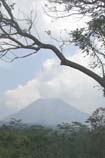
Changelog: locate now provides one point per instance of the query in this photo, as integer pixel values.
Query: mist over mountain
(49, 112)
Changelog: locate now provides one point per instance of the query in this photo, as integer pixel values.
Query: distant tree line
(69, 140)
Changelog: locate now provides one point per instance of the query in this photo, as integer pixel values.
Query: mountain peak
(50, 111)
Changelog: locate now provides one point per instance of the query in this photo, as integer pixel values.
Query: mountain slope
(49, 112)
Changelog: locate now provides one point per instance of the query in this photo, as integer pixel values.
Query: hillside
(49, 112)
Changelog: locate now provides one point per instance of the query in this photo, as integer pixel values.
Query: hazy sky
(41, 76)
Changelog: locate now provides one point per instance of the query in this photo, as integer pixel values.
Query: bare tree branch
(10, 30)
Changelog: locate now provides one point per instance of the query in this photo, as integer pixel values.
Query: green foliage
(90, 38)
(69, 140)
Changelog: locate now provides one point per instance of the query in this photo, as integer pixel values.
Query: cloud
(15, 99)
(23, 94)
(74, 87)
(61, 82)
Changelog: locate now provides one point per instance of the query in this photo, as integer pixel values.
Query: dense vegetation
(69, 140)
